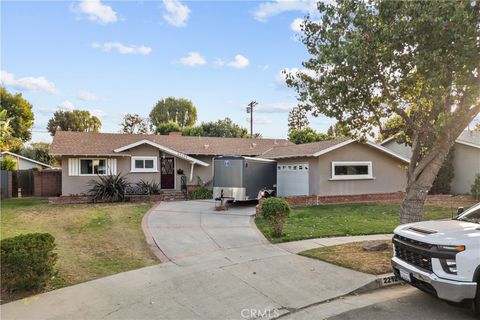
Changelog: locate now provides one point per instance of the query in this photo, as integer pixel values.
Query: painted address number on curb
(388, 281)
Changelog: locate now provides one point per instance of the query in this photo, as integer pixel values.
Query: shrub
(8, 163)
(475, 189)
(275, 211)
(28, 261)
(442, 183)
(108, 188)
(201, 193)
(150, 187)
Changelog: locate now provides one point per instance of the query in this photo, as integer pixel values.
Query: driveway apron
(221, 268)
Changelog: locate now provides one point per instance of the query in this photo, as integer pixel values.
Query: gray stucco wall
(72, 185)
(389, 173)
(466, 164)
(25, 165)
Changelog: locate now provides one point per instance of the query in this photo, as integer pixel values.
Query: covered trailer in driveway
(243, 178)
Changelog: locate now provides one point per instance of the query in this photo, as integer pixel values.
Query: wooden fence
(28, 183)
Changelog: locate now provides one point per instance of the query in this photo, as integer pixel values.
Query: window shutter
(112, 166)
(73, 166)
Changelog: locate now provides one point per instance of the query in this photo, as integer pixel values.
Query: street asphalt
(401, 302)
(416, 305)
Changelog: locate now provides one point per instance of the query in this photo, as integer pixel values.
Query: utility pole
(250, 107)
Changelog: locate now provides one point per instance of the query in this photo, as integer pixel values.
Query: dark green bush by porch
(201, 193)
(28, 261)
(275, 211)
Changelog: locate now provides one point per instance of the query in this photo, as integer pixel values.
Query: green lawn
(93, 240)
(345, 220)
(352, 256)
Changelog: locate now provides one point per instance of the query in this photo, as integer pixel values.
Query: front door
(167, 173)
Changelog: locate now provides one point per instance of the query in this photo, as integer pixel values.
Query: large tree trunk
(423, 168)
(418, 185)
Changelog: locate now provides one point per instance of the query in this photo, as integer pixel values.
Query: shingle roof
(89, 143)
(470, 137)
(299, 150)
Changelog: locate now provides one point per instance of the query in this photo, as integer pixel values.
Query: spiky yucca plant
(151, 187)
(109, 188)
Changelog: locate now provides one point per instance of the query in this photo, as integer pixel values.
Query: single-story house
(337, 167)
(466, 158)
(24, 163)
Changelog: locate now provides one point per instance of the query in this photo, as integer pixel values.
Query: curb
(262, 237)
(381, 281)
(149, 237)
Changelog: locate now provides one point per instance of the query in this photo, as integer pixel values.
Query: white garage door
(292, 179)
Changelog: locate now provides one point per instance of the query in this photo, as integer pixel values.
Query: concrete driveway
(220, 268)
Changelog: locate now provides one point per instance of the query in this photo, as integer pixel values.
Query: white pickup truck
(441, 257)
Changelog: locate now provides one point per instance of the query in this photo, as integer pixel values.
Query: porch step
(173, 195)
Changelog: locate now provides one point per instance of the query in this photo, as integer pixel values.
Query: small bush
(443, 181)
(8, 163)
(28, 261)
(275, 211)
(108, 188)
(475, 189)
(150, 187)
(201, 193)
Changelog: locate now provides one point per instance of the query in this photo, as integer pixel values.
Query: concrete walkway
(302, 245)
(221, 268)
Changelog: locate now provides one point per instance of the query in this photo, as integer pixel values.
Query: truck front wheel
(476, 301)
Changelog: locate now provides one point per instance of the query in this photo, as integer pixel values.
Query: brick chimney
(175, 133)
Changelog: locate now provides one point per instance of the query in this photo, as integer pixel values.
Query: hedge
(28, 261)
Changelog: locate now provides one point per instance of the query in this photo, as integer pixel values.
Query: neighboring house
(338, 167)
(466, 158)
(24, 163)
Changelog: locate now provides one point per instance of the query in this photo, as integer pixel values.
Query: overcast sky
(121, 57)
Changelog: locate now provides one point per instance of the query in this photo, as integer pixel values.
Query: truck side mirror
(460, 210)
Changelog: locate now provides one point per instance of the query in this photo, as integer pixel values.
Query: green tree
(297, 119)
(338, 130)
(415, 59)
(8, 163)
(307, 135)
(20, 113)
(7, 140)
(167, 127)
(76, 120)
(39, 151)
(221, 128)
(133, 123)
(181, 111)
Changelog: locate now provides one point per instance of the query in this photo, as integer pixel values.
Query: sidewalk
(302, 245)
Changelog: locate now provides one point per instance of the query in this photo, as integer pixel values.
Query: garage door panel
(292, 179)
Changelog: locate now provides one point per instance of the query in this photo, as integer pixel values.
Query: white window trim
(91, 174)
(368, 176)
(155, 164)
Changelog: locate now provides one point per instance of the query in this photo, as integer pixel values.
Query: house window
(90, 167)
(144, 164)
(351, 170)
